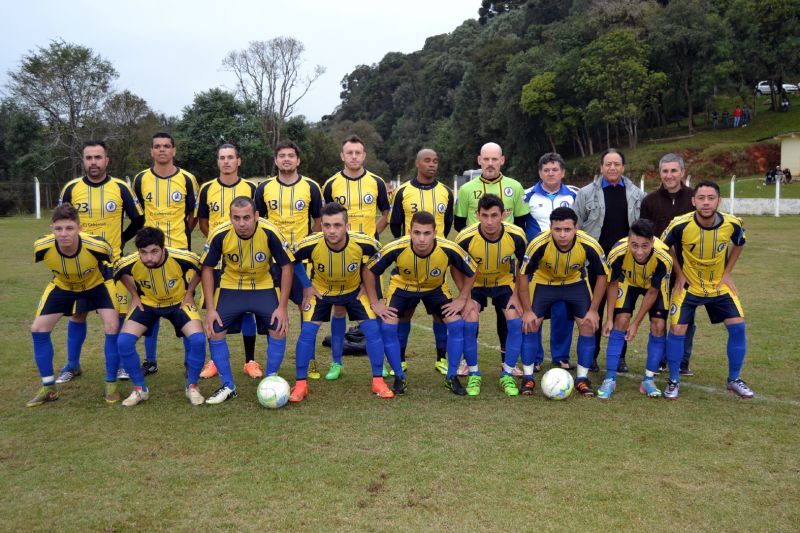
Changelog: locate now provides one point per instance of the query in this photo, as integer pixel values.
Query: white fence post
(37, 194)
(733, 194)
(777, 197)
(689, 180)
(455, 186)
(641, 183)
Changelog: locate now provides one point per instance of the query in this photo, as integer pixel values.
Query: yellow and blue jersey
(365, 197)
(335, 273)
(168, 201)
(102, 207)
(654, 272)
(413, 196)
(80, 271)
(292, 208)
(215, 197)
(496, 261)
(551, 266)
(164, 285)
(246, 262)
(702, 252)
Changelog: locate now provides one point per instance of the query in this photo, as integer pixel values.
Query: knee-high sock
(222, 360)
(737, 348)
(111, 352)
(674, 355)
(392, 348)
(471, 346)
(455, 346)
(530, 341)
(513, 345)
(655, 351)
(276, 349)
(613, 352)
(304, 349)
(126, 347)
(403, 331)
(151, 341)
(561, 328)
(197, 356)
(76, 334)
(338, 330)
(43, 356)
(372, 331)
(249, 336)
(440, 334)
(586, 351)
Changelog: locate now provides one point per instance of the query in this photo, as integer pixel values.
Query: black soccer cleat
(584, 387)
(622, 366)
(455, 386)
(527, 387)
(400, 385)
(149, 367)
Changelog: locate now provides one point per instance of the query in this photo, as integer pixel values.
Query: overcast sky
(167, 51)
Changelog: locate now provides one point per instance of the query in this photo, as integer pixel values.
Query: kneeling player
(155, 279)
(640, 265)
(337, 257)
(558, 259)
(79, 285)
(498, 249)
(422, 261)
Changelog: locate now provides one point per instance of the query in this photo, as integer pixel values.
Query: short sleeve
(315, 209)
(278, 248)
(383, 195)
(213, 251)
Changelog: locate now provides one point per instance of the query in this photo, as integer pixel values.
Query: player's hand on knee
(309, 293)
(529, 322)
(383, 311)
(633, 329)
(591, 320)
(607, 327)
(211, 317)
(280, 319)
(453, 308)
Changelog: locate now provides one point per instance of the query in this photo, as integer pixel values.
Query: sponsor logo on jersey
(87, 271)
(300, 205)
(508, 191)
(260, 257)
(436, 272)
(111, 206)
(177, 196)
(368, 198)
(352, 267)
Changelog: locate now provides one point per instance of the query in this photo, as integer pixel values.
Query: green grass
(429, 461)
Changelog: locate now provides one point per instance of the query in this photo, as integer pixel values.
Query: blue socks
(455, 346)
(112, 357)
(655, 351)
(615, 342)
(276, 349)
(196, 358)
(305, 347)
(530, 341)
(737, 348)
(126, 347)
(392, 348)
(76, 334)
(674, 355)
(585, 351)
(338, 329)
(151, 341)
(513, 344)
(372, 332)
(471, 347)
(222, 359)
(43, 356)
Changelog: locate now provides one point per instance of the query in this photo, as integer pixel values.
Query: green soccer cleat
(334, 372)
(441, 366)
(402, 364)
(385, 371)
(47, 393)
(474, 385)
(509, 386)
(111, 394)
(313, 373)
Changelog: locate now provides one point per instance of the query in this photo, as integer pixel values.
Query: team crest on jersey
(111, 206)
(436, 272)
(260, 257)
(565, 204)
(508, 191)
(441, 207)
(673, 309)
(575, 267)
(300, 205)
(506, 259)
(177, 196)
(368, 198)
(619, 292)
(352, 267)
(307, 308)
(171, 283)
(721, 247)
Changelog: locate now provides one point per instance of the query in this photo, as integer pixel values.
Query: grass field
(429, 461)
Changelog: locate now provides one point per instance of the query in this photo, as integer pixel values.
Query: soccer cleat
(463, 369)
(740, 389)
(584, 387)
(594, 367)
(252, 369)
(648, 387)
(400, 385)
(565, 365)
(537, 367)
(209, 370)
(474, 385)
(112, 394)
(193, 393)
(455, 386)
(299, 391)
(661, 368)
(441, 366)
(149, 367)
(606, 389)
(68, 374)
(221, 394)
(380, 389)
(334, 372)
(527, 386)
(686, 371)
(122, 374)
(313, 373)
(387, 372)
(517, 372)
(137, 396)
(47, 393)
(622, 366)
(673, 390)
(509, 386)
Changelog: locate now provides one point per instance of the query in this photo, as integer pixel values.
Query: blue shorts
(319, 309)
(178, 316)
(627, 297)
(56, 300)
(296, 294)
(407, 300)
(233, 304)
(577, 296)
(499, 295)
(719, 308)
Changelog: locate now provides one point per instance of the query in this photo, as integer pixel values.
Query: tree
(539, 100)
(268, 78)
(66, 85)
(127, 123)
(491, 9)
(21, 142)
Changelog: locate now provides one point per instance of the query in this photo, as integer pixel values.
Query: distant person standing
(737, 116)
(745, 116)
(725, 119)
(714, 119)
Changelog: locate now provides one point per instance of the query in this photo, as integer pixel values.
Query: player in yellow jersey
(102, 203)
(497, 248)
(245, 246)
(639, 265)
(78, 263)
(156, 280)
(337, 257)
(213, 204)
(168, 195)
(561, 260)
(422, 261)
(705, 246)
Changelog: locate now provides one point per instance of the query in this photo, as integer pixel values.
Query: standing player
(703, 264)
(168, 195)
(422, 261)
(78, 262)
(246, 244)
(102, 203)
(639, 265)
(560, 261)
(498, 249)
(423, 193)
(213, 204)
(337, 257)
(156, 280)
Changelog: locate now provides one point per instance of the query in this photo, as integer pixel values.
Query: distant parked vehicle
(765, 87)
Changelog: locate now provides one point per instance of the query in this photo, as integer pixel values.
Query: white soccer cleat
(137, 396)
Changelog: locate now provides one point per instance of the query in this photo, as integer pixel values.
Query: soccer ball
(557, 384)
(273, 392)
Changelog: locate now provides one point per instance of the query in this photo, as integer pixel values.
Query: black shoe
(584, 387)
(566, 365)
(537, 368)
(594, 367)
(455, 385)
(622, 366)
(400, 385)
(686, 371)
(527, 386)
(149, 367)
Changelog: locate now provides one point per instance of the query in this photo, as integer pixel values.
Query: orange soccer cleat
(380, 388)
(209, 370)
(299, 391)
(252, 369)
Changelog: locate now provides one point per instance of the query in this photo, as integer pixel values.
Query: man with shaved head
(423, 193)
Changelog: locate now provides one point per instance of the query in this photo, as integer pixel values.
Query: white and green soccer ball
(273, 392)
(557, 384)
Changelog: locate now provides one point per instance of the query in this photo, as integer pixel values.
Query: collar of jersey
(485, 238)
(299, 179)
(498, 180)
(238, 181)
(415, 182)
(716, 224)
(153, 172)
(541, 190)
(90, 183)
(345, 176)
